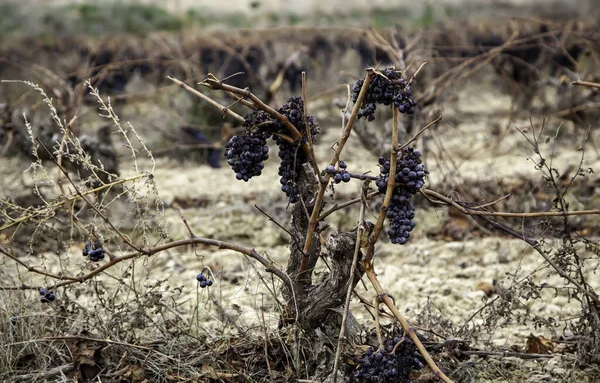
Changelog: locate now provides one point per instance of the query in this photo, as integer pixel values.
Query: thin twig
(339, 206)
(414, 75)
(443, 200)
(107, 341)
(586, 83)
(416, 136)
(522, 355)
(33, 269)
(273, 220)
(44, 374)
(380, 344)
(342, 335)
(535, 245)
(204, 97)
(94, 207)
(213, 83)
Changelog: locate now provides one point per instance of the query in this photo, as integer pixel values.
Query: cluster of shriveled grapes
(46, 296)
(246, 153)
(203, 281)
(386, 88)
(291, 155)
(93, 251)
(409, 179)
(339, 175)
(392, 364)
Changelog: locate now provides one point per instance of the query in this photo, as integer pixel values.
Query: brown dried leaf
(539, 345)
(486, 287)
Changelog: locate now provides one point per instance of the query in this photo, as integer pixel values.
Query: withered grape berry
(410, 175)
(46, 296)
(386, 88)
(94, 251)
(389, 365)
(246, 154)
(203, 281)
(291, 154)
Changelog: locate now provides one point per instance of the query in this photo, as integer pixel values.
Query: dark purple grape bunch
(386, 88)
(246, 154)
(46, 296)
(410, 177)
(339, 175)
(291, 155)
(410, 173)
(203, 281)
(392, 364)
(289, 169)
(400, 215)
(93, 251)
(293, 109)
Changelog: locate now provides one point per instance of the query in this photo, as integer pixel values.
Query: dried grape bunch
(203, 281)
(339, 175)
(386, 88)
(46, 296)
(246, 154)
(392, 364)
(291, 154)
(93, 251)
(410, 177)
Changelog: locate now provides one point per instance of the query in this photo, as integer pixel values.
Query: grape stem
(214, 83)
(416, 136)
(314, 217)
(339, 206)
